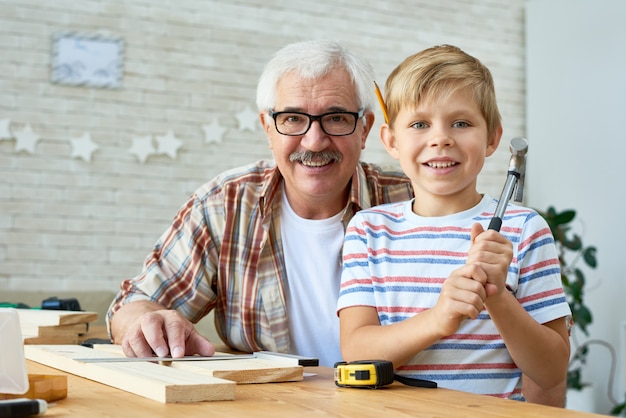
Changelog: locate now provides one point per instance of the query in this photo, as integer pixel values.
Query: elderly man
(261, 244)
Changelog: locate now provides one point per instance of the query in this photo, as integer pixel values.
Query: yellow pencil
(381, 102)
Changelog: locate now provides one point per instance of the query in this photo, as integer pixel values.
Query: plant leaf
(589, 255)
(573, 244)
(583, 318)
(565, 217)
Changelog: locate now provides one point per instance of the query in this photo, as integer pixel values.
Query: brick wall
(70, 223)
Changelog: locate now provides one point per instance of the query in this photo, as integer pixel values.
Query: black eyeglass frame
(312, 118)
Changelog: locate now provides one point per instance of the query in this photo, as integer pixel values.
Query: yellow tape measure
(364, 374)
(373, 374)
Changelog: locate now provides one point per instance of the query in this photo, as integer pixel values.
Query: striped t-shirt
(397, 261)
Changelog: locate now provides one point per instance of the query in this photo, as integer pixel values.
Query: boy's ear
(494, 141)
(388, 138)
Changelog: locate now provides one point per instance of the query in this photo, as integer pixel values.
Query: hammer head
(518, 147)
(517, 165)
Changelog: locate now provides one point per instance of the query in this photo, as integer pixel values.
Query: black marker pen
(22, 407)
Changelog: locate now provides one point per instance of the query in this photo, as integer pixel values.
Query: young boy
(424, 285)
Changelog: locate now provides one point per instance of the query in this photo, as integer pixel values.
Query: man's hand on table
(146, 329)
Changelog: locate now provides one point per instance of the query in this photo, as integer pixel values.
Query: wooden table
(317, 396)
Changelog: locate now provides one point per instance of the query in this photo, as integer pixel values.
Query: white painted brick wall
(70, 224)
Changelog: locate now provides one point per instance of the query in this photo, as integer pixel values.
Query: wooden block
(53, 334)
(50, 388)
(52, 339)
(54, 330)
(153, 381)
(242, 371)
(50, 317)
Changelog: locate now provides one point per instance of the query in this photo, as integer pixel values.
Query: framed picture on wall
(94, 60)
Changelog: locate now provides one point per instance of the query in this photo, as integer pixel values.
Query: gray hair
(315, 59)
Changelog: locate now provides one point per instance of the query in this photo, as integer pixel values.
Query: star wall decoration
(83, 147)
(142, 147)
(214, 132)
(26, 140)
(168, 144)
(247, 119)
(4, 129)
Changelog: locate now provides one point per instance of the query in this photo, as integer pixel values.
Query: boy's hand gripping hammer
(514, 180)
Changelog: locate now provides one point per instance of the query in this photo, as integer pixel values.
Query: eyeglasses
(332, 123)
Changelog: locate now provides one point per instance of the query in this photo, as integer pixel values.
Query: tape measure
(364, 373)
(373, 374)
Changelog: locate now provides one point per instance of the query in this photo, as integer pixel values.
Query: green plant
(570, 252)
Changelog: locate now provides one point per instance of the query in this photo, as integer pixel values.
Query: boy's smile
(441, 146)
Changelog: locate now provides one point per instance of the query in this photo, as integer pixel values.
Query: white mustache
(319, 158)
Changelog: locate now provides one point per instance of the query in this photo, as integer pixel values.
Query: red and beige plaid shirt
(223, 251)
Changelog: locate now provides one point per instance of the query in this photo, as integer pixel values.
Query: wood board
(43, 326)
(153, 381)
(53, 330)
(50, 317)
(50, 339)
(243, 371)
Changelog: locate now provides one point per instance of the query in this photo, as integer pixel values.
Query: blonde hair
(439, 72)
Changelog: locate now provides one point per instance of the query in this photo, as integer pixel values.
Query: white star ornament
(168, 144)
(83, 147)
(248, 119)
(214, 132)
(142, 147)
(26, 140)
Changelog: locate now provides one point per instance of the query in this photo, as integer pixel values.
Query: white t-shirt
(312, 250)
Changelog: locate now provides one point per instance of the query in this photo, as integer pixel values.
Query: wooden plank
(36, 330)
(153, 381)
(50, 317)
(242, 371)
(50, 339)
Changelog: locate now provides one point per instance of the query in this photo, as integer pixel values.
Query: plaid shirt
(223, 251)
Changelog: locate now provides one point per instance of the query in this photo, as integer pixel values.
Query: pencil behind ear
(381, 102)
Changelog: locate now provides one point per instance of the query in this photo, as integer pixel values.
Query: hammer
(514, 180)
